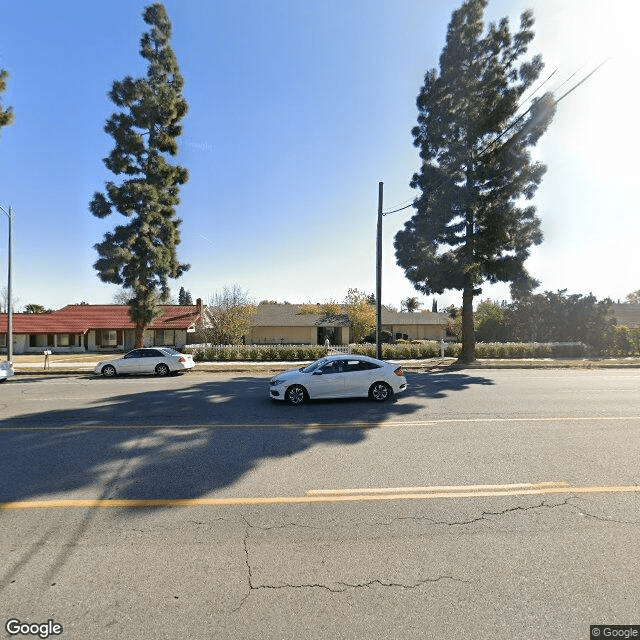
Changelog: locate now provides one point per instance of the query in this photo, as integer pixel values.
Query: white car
(339, 376)
(6, 371)
(159, 360)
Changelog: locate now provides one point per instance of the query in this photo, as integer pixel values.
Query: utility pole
(379, 276)
(9, 305)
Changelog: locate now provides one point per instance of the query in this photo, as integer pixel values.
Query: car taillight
(399, 372)
(182, 359)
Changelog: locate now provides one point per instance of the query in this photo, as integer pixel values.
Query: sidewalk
(86, 363)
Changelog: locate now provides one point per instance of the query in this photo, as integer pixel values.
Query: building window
(109, 338)
(63, 339)
(3, 339)
(164, 337)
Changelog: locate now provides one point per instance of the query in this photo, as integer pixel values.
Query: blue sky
(297, 110)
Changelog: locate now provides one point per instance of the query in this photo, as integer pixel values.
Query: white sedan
(6, 371)
(159, 360)
(339, 376)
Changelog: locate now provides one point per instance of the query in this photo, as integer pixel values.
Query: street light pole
(379, 275)
(9, 302)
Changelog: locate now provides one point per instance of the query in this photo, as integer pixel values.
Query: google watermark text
(15, 627)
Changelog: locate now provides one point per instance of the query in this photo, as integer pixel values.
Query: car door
(328, 380)
(359, 376)
(129, 363)
(150, 358)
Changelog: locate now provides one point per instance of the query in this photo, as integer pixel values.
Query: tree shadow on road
(441, 384)
(184, 441)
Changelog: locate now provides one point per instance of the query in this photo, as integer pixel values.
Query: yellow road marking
(462, 488)
(322, 496)
(330, 425)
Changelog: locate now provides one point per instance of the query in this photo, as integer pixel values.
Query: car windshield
(313, 366)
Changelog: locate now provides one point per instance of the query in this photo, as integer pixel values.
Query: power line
(553, 73)
(521, 116)
(386, 213)
(575, 73)
(515, 122)
(575, 86)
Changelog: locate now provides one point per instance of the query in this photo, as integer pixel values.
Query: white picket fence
(346, 348)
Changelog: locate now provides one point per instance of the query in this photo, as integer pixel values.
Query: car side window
(360, 365)
(332, 367)
(351, 366)
(133, 354)
(154, 353)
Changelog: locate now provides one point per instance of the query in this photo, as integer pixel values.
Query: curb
(448, 364)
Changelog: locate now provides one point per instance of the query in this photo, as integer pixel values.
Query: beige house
(627, 314)
(286, 324)
(421, 325)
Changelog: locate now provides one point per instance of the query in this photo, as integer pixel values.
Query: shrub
(569, 350)
(365, 350)
(429, 349)
(197, 354)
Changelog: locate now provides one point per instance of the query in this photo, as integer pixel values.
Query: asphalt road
(480, 504)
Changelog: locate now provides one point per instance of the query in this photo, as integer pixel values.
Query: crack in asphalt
(487, 516)
(583, 512)
(361, 585)
(340, 587)
(484, 516)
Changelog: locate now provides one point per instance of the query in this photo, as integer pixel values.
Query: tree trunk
(139, 336)
(468, 331)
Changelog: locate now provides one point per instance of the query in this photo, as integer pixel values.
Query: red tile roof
(80, 318)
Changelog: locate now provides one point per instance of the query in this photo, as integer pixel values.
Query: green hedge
(530, 350)
(417, 349)
(256, 353)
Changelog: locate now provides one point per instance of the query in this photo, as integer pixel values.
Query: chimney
(199, 305)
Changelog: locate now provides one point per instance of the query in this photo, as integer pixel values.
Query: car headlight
(276, 382)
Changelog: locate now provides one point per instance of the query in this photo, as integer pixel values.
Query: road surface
(480, 504)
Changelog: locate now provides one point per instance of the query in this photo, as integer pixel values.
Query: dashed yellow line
(330, 495)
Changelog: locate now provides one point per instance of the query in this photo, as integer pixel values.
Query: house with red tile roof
(97, 327)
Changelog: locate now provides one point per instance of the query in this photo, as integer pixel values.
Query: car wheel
(380, 391)
(108, 371)
(296, 394)
(162, 369)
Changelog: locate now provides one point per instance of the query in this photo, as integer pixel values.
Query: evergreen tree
(469, 226)
(184, 297)
(6, 115)
(141, 255)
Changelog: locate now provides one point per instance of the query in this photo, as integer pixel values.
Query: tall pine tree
(470, 225)
(6, 115)
(141, 255)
